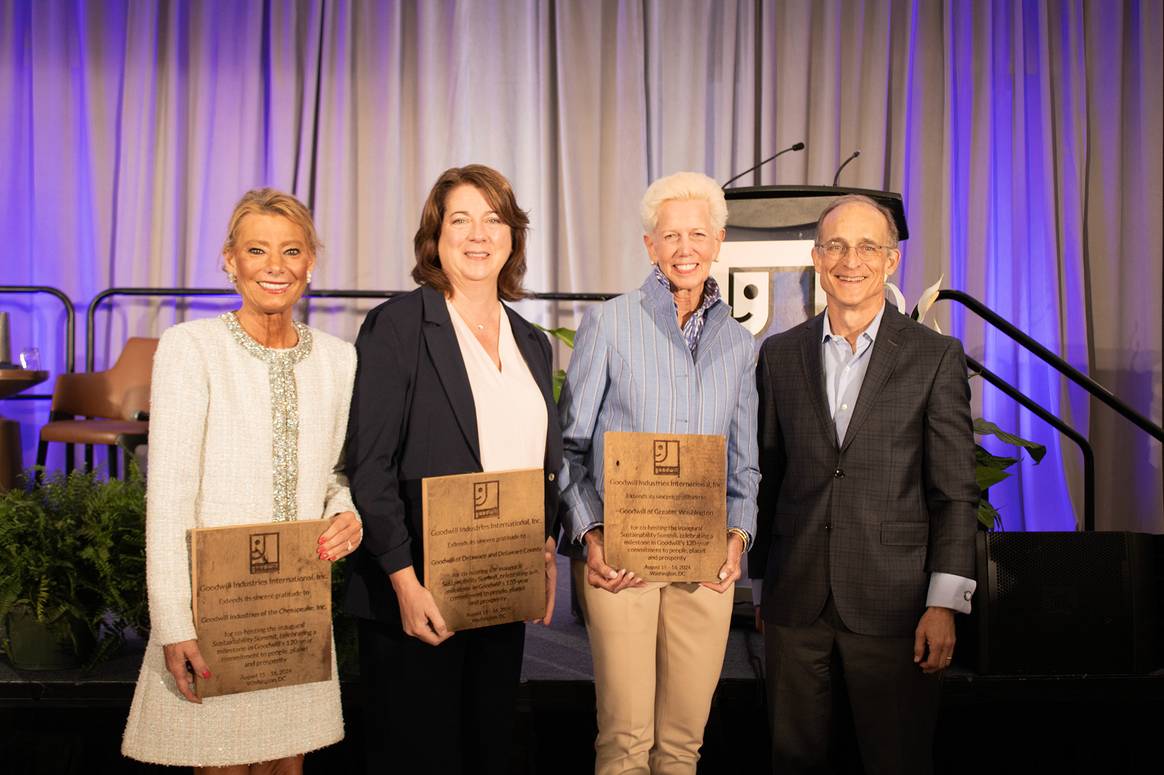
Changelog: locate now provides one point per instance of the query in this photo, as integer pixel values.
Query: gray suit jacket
(872, 518)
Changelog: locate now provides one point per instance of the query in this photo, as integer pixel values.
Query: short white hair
(683, 186)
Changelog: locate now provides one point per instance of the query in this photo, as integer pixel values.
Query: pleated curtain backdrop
(1023, 135)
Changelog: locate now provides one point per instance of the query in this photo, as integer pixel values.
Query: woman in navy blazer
(438, 701)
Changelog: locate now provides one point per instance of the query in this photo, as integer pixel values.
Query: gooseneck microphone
(844, 164)
(753, 168)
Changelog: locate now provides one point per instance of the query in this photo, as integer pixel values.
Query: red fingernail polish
(205, 673)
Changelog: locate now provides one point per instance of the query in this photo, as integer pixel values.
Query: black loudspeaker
(1065, 604)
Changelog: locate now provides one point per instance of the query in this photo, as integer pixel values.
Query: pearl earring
(309, 277)
(232, 278)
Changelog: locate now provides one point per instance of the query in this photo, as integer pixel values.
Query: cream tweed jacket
(211, 463)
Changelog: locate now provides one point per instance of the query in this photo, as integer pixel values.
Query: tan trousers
(658, 652)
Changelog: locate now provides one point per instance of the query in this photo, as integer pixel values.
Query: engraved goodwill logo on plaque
(486, 497)
(484, 557)
(264, 552)
(665, 504)
(666, 457)
(261, 602)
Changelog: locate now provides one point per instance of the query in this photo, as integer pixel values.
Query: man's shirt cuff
(950, 591)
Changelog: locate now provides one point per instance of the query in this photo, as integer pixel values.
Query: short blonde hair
(683, 185)
(270, 201)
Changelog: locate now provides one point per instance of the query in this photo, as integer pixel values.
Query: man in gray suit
(867, 504)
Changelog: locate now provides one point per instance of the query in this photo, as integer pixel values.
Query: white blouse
(511, 413)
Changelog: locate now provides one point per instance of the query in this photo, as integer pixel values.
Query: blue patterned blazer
(632, 371)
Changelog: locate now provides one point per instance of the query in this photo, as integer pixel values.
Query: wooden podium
(790, 212)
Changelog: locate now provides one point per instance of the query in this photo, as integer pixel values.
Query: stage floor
(67, 721)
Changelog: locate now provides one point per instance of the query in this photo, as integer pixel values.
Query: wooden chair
(110, 408)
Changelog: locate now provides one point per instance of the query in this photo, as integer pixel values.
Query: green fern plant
(72, 555)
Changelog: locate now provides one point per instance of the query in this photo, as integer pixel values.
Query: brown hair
(849, 199)
(270, 201)
(499, 194)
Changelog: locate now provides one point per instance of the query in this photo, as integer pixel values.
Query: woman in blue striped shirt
(665, 358)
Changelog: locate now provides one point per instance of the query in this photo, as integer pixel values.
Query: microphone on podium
(753, 168)
(843, 165)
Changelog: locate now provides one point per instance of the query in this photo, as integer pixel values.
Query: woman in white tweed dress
(248, 416)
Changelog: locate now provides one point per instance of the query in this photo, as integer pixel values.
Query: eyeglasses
(866, 251)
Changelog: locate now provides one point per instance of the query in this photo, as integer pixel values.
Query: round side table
(13, 381)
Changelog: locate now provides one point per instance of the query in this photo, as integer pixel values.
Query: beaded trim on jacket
(284, 411)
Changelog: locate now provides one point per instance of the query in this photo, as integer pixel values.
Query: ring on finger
(349, 544)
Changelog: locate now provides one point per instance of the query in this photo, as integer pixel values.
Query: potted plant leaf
(72, 569)
(989, 469)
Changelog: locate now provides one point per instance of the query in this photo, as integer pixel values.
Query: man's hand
(730, 570)
(419, 615)
(933, 639)
(601, 575)
(551, 582)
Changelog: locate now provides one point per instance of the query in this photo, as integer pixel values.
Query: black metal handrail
(1056, 423)
(99, 299)
(70, 330)
(1053, 360)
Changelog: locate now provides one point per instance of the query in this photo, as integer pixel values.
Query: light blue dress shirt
(845, 370)
(632, 370)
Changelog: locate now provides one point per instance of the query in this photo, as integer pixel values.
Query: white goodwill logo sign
(769, 284)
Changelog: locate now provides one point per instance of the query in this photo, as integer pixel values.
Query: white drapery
(1024, 136)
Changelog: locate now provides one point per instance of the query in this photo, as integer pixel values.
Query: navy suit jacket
(412, 416)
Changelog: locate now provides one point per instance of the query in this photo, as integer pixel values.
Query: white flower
(924, 302)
